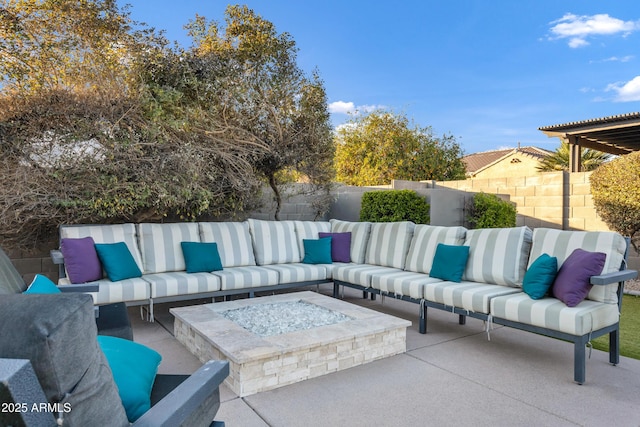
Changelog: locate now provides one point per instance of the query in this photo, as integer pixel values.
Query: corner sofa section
(491, 286)
(387, 259)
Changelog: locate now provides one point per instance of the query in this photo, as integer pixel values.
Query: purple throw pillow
(572, 284)
(81, 260)
(340, 246)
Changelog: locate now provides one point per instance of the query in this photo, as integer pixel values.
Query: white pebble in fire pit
(266, 320)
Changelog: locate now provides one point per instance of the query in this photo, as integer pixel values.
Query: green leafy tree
(374, 148)
(615, 187)
(559, 159)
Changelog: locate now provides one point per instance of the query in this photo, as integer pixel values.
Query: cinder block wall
(554, 199)
(559, 200)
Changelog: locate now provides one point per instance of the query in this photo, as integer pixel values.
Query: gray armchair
(111, 319)
(52, 369)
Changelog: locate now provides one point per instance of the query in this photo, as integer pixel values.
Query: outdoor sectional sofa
(389, 259)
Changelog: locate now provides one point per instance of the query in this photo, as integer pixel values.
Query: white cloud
(342, 107)
(626, 58)
(578, 28)
(626, 92)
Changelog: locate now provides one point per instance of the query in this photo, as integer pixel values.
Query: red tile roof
(478, 161)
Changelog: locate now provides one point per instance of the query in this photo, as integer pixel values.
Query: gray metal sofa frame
(580, 341)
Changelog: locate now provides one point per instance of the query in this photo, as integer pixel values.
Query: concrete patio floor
(451, 376)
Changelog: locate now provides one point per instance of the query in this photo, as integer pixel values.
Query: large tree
(101, 122)
(559, 159)
(374, 148)
(268, 95)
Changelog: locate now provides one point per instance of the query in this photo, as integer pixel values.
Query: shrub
(394, 205)
(490, 211)
(615, 187)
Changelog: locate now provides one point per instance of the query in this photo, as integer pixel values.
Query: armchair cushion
(134, 369)
(57, 333)
(81, 259)
(42, 285)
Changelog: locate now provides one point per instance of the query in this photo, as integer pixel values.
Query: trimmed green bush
(615, 187)
(490, 211)
(394, 205)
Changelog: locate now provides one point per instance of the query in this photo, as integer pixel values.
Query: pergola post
(575, 154)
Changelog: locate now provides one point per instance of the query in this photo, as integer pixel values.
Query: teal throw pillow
(117, 261)
(540, 276)
(317, 251)
(42, 285)
(201, 257)
(449, 262)
(134, 369)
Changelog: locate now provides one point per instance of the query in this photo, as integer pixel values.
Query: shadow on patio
(451, 376)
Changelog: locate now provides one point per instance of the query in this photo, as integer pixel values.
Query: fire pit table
(274, 347)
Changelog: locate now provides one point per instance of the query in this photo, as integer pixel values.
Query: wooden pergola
(616, 135)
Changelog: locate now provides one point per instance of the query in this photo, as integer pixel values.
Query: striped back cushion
(498, 255)
(309, 230)
(160, 245)
(425, 241)
(274, 242)
(233, 239)
(113, 233)
(359, 237)
(561, 244)
(389, 243)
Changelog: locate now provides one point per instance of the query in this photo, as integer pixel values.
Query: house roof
(618, 134)
(480, 161)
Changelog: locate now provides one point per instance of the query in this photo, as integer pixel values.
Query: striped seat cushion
(389, 243)
(561, 244)
(309, 230)
(112, 233)
(425, 241)
(359, 237)
(469, 296)
(497, 255)
(135, 289)
(249, 276)
(553, 314)
(160, 245)
(402, 283)
(274, 242)
(359, 274)
(181, 283)
(298, 272)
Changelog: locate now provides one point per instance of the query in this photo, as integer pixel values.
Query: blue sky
(490, 73)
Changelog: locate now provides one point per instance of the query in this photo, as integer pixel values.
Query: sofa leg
(373, 296)
(579, 360)
(364, 294)
(614, 347)
(422, 323)
(336, 290)
(462, 319)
